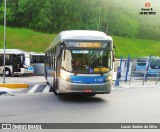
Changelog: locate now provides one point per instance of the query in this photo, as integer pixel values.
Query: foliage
(111, 16)
(57, 15)
(18, 38)
(37, 42)
(136, 47)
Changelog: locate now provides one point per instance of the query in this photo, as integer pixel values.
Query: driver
(96, 63)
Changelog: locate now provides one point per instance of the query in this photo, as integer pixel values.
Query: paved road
(122, 105)
(38, 84)
(38, 105)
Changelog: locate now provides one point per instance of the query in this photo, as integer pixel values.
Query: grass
(136, 47)
(25, 39)
(29, 40)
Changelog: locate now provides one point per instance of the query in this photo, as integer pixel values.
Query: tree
(122, 24)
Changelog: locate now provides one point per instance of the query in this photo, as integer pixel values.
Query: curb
(14, 85)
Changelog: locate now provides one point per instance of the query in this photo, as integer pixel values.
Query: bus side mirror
(114, 51)
(60, 50)
(114, 47)
(113, 56)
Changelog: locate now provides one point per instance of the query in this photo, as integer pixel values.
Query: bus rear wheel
(7, 72)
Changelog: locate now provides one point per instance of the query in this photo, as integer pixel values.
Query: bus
(17, 62)
(151, 65)
(38, 62)
(80, 61)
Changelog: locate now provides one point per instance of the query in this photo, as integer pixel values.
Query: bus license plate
(87, 91)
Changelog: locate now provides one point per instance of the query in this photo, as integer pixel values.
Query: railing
(158, 73)
(141, 79)
(145, 77)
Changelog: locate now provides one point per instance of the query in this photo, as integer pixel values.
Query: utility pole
(4, 61)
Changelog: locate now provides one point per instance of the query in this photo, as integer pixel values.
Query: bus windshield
(87, 61)
(155, 64)
(28, 60)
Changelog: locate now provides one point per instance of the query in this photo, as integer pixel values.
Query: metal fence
(143, 79)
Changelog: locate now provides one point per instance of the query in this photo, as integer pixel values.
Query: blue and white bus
(151, 65)
(17, 61)
(80, 61)
(38, 62)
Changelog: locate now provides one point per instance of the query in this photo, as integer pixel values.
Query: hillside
(136, 47)
(25, 39)
(37, 42)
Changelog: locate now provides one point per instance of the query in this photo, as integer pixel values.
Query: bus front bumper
(67, 87)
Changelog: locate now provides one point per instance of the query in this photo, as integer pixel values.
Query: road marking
(46, 89)
(33, 89)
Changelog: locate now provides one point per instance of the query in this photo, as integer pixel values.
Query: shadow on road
(80, 98)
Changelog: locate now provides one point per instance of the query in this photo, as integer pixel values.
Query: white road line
(46, 89)
(33, 89)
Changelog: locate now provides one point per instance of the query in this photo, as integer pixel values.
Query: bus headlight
(64, 77)
(109, 78)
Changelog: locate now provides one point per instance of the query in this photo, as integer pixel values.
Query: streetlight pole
(4, 61)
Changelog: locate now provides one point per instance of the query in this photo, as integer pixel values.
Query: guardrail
(145, 77)
(141, 79)
(158, 73)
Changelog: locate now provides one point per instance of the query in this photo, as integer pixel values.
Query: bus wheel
(7, 72)
(55, 90)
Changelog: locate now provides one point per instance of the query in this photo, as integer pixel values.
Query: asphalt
(34, 84)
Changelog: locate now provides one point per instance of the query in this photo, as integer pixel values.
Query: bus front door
(16, 63)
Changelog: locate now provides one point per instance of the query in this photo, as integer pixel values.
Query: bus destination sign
(88, 44)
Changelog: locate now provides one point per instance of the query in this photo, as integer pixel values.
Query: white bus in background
(17, 62)
(38, 62)
(148, 64)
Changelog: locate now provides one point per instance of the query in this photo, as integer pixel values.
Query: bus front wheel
(55, 89)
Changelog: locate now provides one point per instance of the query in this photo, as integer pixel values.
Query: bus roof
(12, 51)
(80, 35)
(83, 35)
(37, 54)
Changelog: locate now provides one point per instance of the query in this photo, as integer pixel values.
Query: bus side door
(16, 63)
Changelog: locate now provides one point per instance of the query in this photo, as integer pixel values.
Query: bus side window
(55, 57)
(22, 58)
(58, 51)
(64, 55)
(8, 60)
(52, 58)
